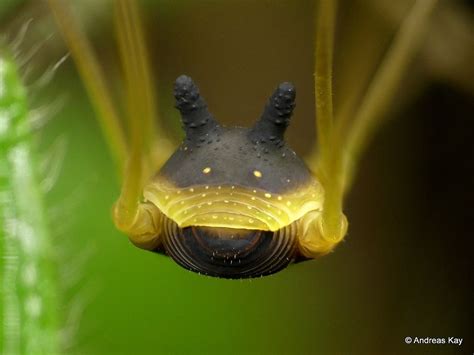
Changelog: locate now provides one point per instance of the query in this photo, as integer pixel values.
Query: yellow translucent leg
(324, 37)
(313, 241)
(381, 91)
(361, 57)
(332, 221)
(319, 232)
(143, 225)
(141, 92)
(137, 159)
(93, 79)
(139, 220)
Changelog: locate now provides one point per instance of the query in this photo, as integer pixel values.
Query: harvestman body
(235, 202)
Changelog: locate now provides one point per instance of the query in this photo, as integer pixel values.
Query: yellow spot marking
(280, 198)
(288, 203)
(267, 195)
(257, 173)
(206, 170)
(191, 190)
(253, 198)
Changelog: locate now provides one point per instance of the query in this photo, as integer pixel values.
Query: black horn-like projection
(197, 120)
(276, 116)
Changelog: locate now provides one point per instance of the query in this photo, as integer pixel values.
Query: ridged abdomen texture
(230, 253)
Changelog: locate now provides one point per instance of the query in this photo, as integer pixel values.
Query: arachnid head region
(232, 197)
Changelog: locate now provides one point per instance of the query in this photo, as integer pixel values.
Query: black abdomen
(228, 252)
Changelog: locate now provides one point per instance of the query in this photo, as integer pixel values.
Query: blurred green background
(405, 268)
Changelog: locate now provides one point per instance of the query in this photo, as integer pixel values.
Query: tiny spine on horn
(276, 115)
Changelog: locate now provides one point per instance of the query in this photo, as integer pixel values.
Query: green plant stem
(28, 282)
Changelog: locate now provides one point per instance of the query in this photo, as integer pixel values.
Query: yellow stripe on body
(233, 206)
